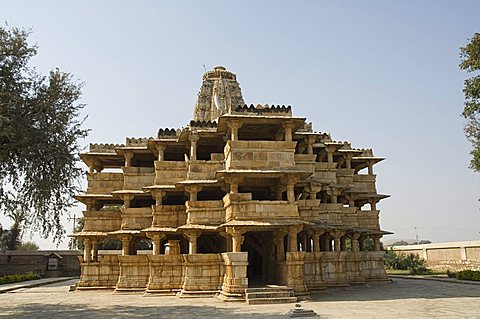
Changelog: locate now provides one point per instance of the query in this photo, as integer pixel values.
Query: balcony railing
(349, 216)
(204, 170)
(104, 183)
(138, 177)
(368, 219)
(325, 172)
(170, 172)
(169, 215)
(345, 177)
(136, 217)
(259, 154)
(102, 220)
(210, 212)
(313, 211)
(258, 209)
(305, 162)
(364, 183)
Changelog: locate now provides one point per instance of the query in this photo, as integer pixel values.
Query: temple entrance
(261, 258)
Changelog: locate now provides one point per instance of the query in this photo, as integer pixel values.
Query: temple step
(269, 295)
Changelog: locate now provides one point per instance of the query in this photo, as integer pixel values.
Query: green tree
(39, 130)
(28, 245)
(470, 62)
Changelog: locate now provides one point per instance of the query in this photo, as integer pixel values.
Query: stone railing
(203, 273)
(104, 183)
(325, 173)
(349, 216)
(134, 273)
(204, 170)
(305, 162)
(169, 215)
(136, 217)
(166, 273)
(135, 178)
(210, 212)
(345, 177)
(102, 220)
(364, 183)
(259, 155)
(101, 274)
(170, 172)
(259, 209)
(368, 219)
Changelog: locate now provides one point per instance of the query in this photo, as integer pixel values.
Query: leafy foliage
(468, 275)
(28, 245)
(39, 129)
(19, 277)
(411, 262)
(470, 62)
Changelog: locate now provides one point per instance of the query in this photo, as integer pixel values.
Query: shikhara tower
(242, 196)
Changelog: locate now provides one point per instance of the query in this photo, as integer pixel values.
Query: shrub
(18, 277)
(411, 262)
(451, 274)
(468, 275)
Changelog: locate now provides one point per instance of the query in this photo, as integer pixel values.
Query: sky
(381, 74)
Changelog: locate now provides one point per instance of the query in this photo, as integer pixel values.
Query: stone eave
(263, 173)
(257, 120)
(88, 234)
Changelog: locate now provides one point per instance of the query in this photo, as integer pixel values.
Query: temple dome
(219, 94)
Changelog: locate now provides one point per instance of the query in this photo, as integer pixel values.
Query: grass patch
(9, 279)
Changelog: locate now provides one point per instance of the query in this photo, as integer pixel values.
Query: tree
(28, 245)
(15, 232)
(470, 62)
(39, 132)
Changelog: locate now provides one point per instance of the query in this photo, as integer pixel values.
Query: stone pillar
(304, 241)
(156, 238)
(342, 244)
(288, 126)
(337, 235)
(370, 167)
(193, 192)
(316, 239)
(228, 241)
(158, 195)
(192, 237)
(348, 160)
(334, 192)
(127, 199)
(376, 242)
(87, 250)
(128, 158)
(125, 245)
(161, 151)
(330, 150)
(291, 192)
(94, 250)
(234, 126)
(309, 140)
(279, 245)
(360, 243)
(373, 203)
(355, 243)
(292, 238)
(193, 145)
(173, 247)
(234, 182)
(237, 241)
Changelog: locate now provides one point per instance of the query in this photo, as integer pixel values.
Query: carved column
(337, 235)
(237, 238)
(370, 167)
(193, 145)
(158, 195)
(128, 158)
(316, 239)
(373, 203)
(192, 236)
(355, 242)
(234, 182)
(125, 245)
(348, 160)
(87, 250)
(292, 238)
(161, 151)
(279, 245)
(288, 126)
(334, 192)
(234, 126)
(376, 242)
(94, 250)
(156, 238)
(193, 191)
(309, 140)
(330, 150)
(228, 241)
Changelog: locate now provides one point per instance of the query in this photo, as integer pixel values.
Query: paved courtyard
(403, 298)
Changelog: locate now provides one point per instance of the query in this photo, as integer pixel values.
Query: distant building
(243, 196)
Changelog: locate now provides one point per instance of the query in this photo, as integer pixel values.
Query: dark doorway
(261, 258)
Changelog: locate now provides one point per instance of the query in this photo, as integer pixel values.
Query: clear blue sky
(380, 74)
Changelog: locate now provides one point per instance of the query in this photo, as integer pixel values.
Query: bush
(9, 279)
(451, 274)
(411, 262)
(468, 275)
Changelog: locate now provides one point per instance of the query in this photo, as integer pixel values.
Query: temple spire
(219, 93)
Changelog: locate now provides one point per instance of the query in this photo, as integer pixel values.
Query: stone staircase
(269, 294)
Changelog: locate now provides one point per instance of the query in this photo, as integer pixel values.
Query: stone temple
(244, 203)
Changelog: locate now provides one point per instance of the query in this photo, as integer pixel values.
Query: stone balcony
(349, 216)
(136, 217)
(364, 183)
(305, 162)
(368, 219)
(255, 155)
(242, 207)
(170, 172)
(313, 211)
(345, 177)
(204, 170)
(325, 173)
(210, 212)
(169, 215)
(135, 178)
(104, 183)
(102, 220)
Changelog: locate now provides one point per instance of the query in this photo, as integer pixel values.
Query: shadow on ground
(84, 311)
(399, 289)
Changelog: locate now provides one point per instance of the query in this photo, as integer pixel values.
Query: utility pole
(74, 218)
(416, 234)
